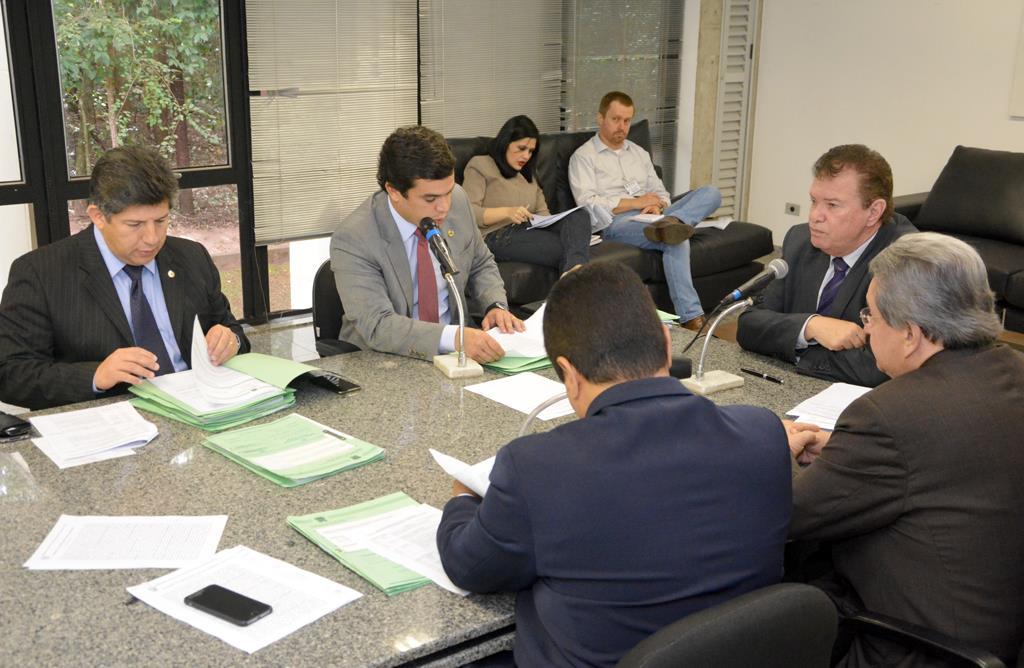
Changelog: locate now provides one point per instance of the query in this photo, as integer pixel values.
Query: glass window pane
(142, 72)
(10, 155)
(207, 215)
(292, 267)
(16, 231)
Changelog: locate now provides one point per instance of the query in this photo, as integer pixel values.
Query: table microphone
(439, 246)
(777, 268)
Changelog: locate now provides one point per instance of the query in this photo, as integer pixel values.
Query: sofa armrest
(866, 622)
(909, 205)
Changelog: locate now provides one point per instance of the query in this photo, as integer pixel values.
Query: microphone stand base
(711, 382)
(449, 366)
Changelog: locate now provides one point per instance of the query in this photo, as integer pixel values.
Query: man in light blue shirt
(615, 179)
(115, 304)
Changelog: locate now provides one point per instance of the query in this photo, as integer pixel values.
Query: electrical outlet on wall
(792, 209)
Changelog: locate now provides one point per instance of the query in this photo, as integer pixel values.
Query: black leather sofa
(979, 198)
(720, 259)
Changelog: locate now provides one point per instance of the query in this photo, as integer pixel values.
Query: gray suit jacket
(921, 491)
(772, 327)
(60, 316)
(374, 280)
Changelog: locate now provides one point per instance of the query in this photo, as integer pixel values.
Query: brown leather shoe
(669, 230)
(694, 325)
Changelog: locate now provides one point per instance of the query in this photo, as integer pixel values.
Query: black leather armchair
(782, 626)
(720, 259)
(979, 198)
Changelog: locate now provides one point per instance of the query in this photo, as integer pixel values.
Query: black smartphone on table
(12, 427)
(228, 605)
(330, 381)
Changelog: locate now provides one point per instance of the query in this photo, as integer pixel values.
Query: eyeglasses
(865, 316)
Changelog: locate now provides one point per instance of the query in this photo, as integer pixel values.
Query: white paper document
(91, 542)
(527, 343)
(720, 223)
(91, 434)
(648, 217)
(825, 407)
(297, 597)
(476, 477)
(537, 222)
(524, 392)
(407, 537)
(219, 385)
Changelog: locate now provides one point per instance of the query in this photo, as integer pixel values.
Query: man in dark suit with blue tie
(114, 304)
(655, 504)
(810, 316)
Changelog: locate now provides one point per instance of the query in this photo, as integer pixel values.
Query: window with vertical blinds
(484, 61)
(329, 80)
(732, 130)
(635, 48)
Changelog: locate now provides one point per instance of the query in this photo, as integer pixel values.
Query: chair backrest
(782, 626)
(327, 308)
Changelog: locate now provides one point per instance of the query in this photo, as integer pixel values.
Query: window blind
(484, 61)
(329, 80)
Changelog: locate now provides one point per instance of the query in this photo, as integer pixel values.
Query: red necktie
(425, 280)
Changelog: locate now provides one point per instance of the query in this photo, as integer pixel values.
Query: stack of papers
(92, 434)
(294, 450)
(524, 351)
(297, 597)
(328, 531)
(825, 407)
(524, 393)
(537, 221)
(77, 542)
(217, 398)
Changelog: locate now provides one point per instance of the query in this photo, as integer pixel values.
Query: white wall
(911, 79)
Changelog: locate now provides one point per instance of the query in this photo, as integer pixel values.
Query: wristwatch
(503, 306)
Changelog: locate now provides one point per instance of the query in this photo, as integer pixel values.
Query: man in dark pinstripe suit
(114, 304)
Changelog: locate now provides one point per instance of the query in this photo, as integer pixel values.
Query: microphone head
(778, 266)
(426, 225)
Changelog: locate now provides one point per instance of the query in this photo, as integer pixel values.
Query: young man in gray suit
(810, 316)
(390, 284)
(114, 304)
(920, 488)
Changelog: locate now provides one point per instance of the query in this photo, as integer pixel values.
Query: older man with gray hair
(921, 486)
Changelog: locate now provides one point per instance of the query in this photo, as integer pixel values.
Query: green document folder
(274, 371)
(293, 450)
(510, 365)
(385, 575)
(665, 316)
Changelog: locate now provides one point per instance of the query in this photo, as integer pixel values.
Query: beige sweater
(487, 188)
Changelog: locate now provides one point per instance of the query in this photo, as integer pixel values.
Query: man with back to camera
(391, 288)
(87, 316)
(920, 488)
(810, 316)
(615, 179)
(653, 505)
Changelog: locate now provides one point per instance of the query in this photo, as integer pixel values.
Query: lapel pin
(170, 273)
(451, 233)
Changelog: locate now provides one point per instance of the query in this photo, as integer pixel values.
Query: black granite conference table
(57, 618)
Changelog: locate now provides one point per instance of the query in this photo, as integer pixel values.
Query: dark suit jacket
(772, 327)
(921, 488)
(655, 505)
(375, 283)
(60, 316)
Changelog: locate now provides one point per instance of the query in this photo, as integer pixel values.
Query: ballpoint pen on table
(760, 374)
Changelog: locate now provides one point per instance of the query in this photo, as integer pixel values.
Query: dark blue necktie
(147, 334)
(828, 294)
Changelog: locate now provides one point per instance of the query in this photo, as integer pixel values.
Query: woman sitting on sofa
(504, 196)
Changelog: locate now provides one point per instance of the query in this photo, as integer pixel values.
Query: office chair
(787, 625)
(866, 622)
(327, 312)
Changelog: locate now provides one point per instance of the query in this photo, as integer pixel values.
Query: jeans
(561, 246)
(691, 208)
